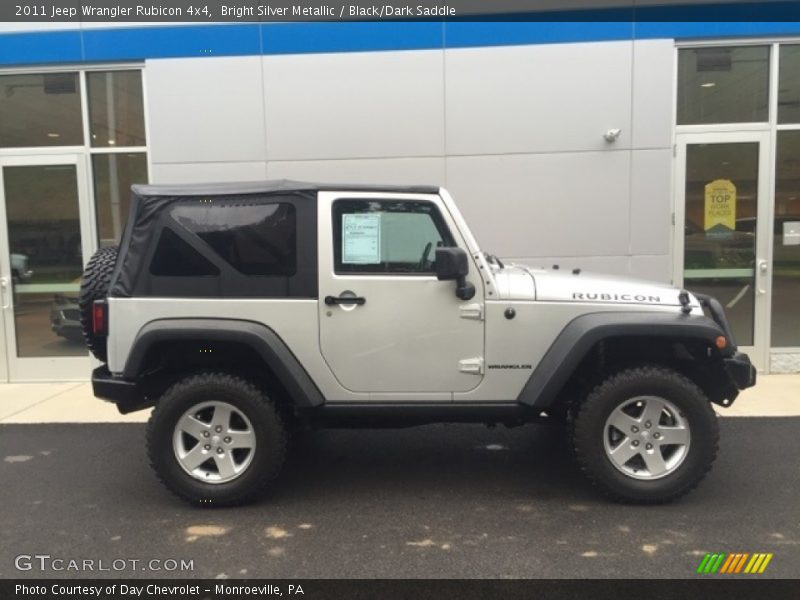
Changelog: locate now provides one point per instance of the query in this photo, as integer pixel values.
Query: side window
(387, 236)
(255, 239)
(175, 258)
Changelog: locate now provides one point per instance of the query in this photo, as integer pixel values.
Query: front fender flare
(582, 333)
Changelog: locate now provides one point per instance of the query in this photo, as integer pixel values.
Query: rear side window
(175, 258)
(255, 239)
(387, 236)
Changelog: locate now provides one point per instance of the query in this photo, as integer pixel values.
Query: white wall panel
(565, 204)
(206, 109)
(354, 105)
(653, 268)
(207, 172)
(651, 201)
(653, 93)
(611, 265)
(379, 171)
(547, 98)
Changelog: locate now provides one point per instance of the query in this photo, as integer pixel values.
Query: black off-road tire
(94, 286)
(268, 427)
(588, 433)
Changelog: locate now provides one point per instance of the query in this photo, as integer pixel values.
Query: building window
(116, 112)
(789, 84)
(113, 175)
(786, 242)
(40, 110)
(723, 85)
(116, 128)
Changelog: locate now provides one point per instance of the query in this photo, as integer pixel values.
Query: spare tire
(94, 286)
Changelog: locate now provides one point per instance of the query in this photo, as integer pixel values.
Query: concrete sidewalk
(72, 402)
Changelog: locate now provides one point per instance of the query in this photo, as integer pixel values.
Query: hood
(518, 282)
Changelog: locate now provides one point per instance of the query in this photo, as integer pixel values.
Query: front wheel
(646, 435)
(215, 439)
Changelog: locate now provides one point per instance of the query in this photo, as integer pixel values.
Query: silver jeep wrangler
(244, 312)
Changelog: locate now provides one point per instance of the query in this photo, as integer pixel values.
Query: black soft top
(275, 186)
(147, 216)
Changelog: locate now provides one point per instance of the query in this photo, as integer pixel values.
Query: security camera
(612, 134)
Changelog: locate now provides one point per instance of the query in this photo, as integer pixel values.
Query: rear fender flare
(264, 341)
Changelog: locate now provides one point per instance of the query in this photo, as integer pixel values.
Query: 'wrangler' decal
(616, 297)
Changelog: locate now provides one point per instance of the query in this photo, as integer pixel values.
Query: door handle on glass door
(3, 291)
(762, 269)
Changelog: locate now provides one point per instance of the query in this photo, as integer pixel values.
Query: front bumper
(740, 370)
(125, 394)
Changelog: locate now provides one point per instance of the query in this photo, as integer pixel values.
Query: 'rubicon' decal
(509, 367)
(616, 297)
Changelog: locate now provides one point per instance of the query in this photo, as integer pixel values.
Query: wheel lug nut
(218, 428)
(219, 450)
(657, 435)
(206, 434)
(649, 446)
(635, 443)
(227, 440)
(635, 429)
(207, 447)
(647, 425)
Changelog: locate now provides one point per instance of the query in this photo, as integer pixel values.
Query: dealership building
(665, 151)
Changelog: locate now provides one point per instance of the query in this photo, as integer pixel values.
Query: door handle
(762, 269)
(4, 292)
(331, 300)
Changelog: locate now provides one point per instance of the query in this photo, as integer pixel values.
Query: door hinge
(472, 311)
(471, 365)
(673, 219)
(674, 150)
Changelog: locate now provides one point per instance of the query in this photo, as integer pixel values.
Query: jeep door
(388, 326)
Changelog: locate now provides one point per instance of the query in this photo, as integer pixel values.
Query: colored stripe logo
(734, 562)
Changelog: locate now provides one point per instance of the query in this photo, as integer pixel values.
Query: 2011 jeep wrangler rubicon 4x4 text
(242, 312)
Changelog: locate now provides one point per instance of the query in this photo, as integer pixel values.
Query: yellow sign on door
(720, 213)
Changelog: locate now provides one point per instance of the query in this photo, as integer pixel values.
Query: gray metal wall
(514, 132)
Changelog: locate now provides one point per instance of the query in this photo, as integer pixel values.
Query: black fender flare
(264, 341)
(582, 333)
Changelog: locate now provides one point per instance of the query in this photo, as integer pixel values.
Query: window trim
(438, 219)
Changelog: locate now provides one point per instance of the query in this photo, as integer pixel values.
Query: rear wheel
(94, 286)
(646, 435)
(215, 439)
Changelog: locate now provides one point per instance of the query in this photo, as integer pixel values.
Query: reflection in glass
(45, 245)
(113, 176)
(723, 85)
(720, 228)
(786, 243)
(116, 110)
(42, 109)
(789, 84)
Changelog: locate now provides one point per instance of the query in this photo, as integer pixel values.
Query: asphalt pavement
(448, 501)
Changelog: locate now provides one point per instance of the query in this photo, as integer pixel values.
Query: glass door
(722, 217)
(45, 234)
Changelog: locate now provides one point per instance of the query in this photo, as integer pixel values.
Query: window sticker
(361, 239)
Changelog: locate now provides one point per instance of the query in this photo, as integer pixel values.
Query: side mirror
(453, 263)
